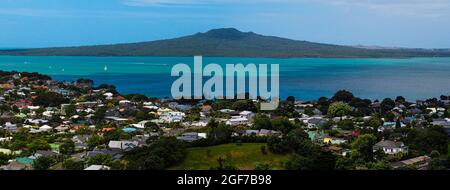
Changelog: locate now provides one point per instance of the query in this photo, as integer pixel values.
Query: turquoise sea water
(304, 78)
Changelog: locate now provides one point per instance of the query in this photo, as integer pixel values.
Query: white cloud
(49, 13)
(27, 12)
(197, 2)
(416, 8)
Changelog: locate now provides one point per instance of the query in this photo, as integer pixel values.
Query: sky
(392, 23)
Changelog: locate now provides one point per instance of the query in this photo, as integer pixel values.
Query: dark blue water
(304, 78)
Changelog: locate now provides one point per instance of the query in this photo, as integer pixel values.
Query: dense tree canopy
(343, 96)
(161, 154)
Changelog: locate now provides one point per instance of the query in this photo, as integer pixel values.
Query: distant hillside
(228, 42)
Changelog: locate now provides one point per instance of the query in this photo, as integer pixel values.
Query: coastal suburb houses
(48, 124)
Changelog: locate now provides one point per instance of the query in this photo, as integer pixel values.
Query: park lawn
(244, 156)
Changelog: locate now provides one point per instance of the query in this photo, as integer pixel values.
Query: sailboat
(106, 68)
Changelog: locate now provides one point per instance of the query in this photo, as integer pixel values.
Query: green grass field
(244, 156)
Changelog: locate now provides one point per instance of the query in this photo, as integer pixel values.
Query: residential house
(247, 114)
(14, 165)
(419, 163)
(391, 147)
(172, 117)
(81, 141)
(10, 127)
(190, 137)
(123, 145)
(313, 122)
(334, 141)
(44, 153)
(114, 153)
(315, 136)
(117, 120)
(441, 122)
(238, 120)
(98, 167)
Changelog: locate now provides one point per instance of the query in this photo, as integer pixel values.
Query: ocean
(303, 78)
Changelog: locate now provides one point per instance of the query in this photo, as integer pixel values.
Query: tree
(364, 145)
(324, 160)
(387, 105)
(142, 115)
(362, 106)
(343, 96)
(94, 141)
(436, 163)
(282, 124)
(338, 109)
(49, 99)
(428, 139)
(100, 113)
(220, 134)
(389, 116)
(4, 159)
(435, 154)
(298, 162)
(71, 164)
(398, 124)
(151, 126)
(290, 99)
(70, 110)
(319, 160)
(381, 165)
(262, 121)
(193, 114)
(119, 165)
(346, 124)
(153, 162)
(242, 105)
(43, 163)
(400, 100)
(39, 144)
(375, 122)
(278, 145)
(344, 163)
(161, 154)
(100, 159)
(67, 147)
(136, 97)
(295, 141)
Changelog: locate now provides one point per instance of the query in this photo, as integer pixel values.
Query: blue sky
(399, 23)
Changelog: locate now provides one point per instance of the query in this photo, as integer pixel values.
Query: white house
(190, 137)
(171, 117)
(140, 125)
(247, 114)
(45, 128)
(390, 147)
(237, 120)
(97, 167)
(108, 95)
